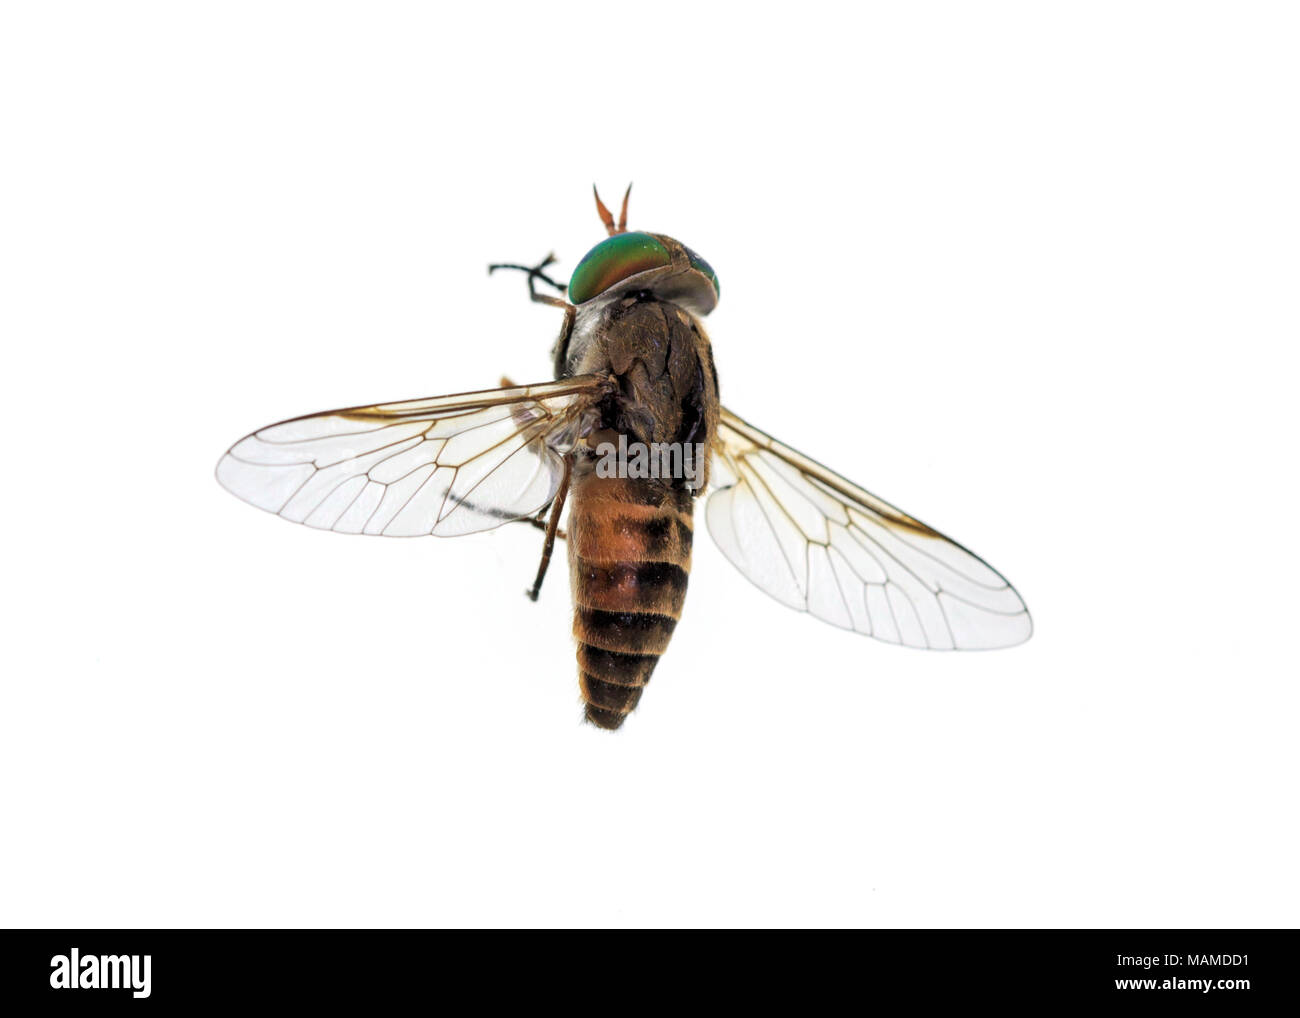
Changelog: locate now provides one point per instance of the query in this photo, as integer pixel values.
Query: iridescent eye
(700, 265)
(612, 261)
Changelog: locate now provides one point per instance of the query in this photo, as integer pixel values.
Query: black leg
(560, 352)
(540, 523)
(552, 527)
(536, 272)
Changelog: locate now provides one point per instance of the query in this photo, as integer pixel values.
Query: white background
(1027, 270)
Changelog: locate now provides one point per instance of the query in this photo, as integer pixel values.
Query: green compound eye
(700, 265)
(613, 260)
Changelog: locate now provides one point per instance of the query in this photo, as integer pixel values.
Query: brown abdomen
(629, 559)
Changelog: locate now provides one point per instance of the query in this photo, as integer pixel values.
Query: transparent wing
(819, 543)
(444, 466)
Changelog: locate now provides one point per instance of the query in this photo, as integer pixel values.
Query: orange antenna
(607, 217)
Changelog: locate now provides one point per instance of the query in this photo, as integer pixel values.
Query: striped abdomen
(629, 559)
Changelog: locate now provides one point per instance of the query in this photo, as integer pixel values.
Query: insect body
(630, 537)
(630, 435)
